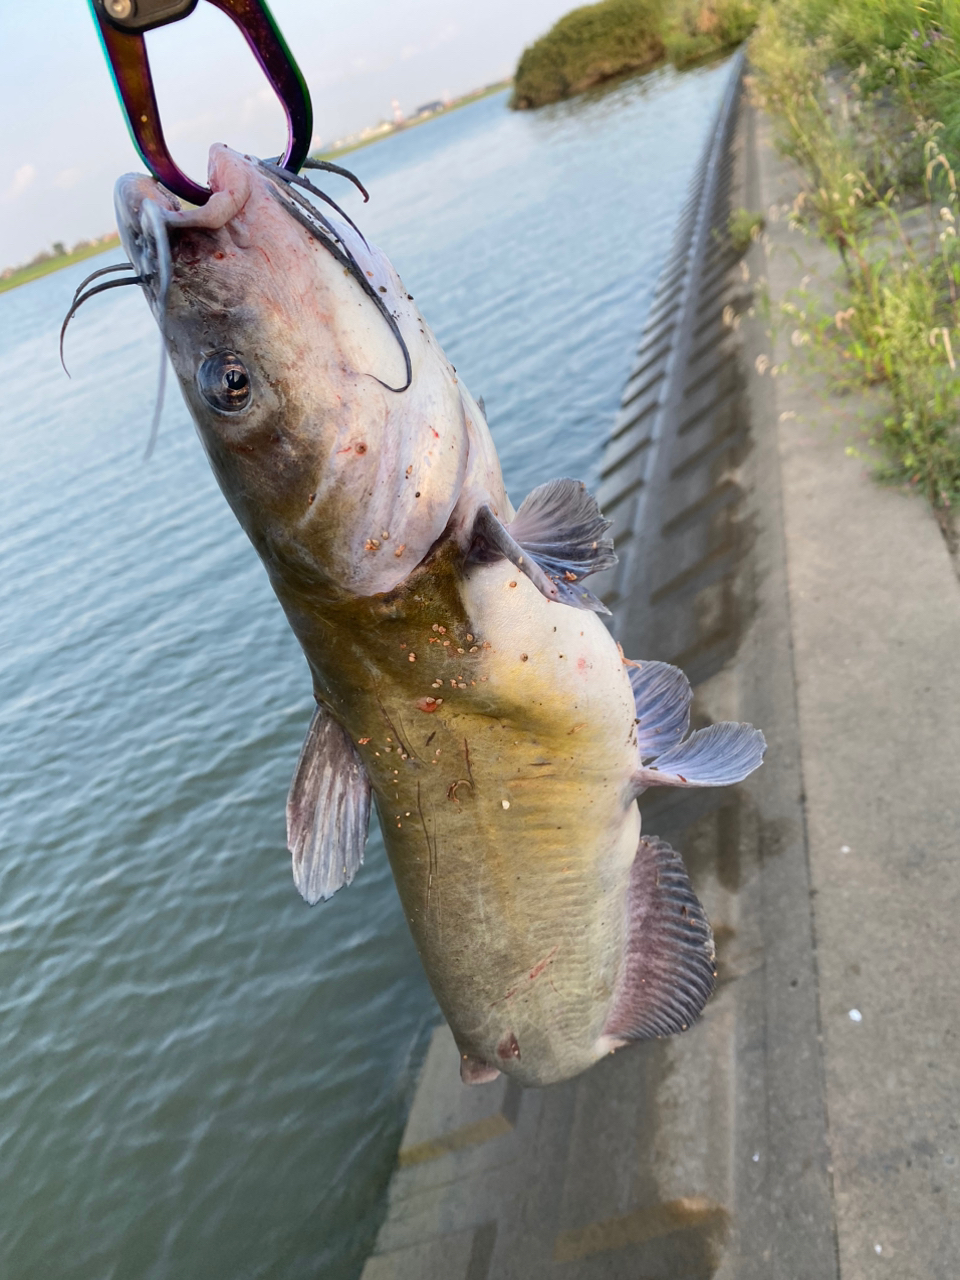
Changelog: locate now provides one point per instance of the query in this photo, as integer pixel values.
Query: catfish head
(333, 421)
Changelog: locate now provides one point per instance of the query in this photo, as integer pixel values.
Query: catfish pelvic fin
(557, 538)
(668, 970)
(662, 695)
(714, 757)
(328, 810)
(717, 756)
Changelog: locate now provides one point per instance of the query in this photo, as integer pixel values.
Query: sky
(63, 138)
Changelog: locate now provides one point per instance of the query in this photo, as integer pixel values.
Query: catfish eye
(224, 382)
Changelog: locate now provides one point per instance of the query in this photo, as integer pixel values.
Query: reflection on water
(200, 1076)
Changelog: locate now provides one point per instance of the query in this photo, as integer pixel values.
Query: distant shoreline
(34, 270)
(475, 96)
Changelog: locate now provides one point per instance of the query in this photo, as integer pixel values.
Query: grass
(744, 227)
(864, 97)
(601, 41)
(43, 267)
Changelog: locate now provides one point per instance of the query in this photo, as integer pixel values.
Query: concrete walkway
(781, 1137)
(875, 613)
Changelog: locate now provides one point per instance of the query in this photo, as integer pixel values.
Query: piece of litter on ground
(756, 1156)
(855, 1015)
(844, 848)
(878, 1248)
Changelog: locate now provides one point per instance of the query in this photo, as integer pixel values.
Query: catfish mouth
(142, 207)
(155, 229)
(153, 226)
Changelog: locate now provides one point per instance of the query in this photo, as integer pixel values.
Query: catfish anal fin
(328, 810)
(557, 538)
(668, 971)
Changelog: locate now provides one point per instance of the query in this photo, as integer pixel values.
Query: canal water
(199, 1075)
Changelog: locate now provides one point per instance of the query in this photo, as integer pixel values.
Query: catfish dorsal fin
(557, 538)
(667, 973)
(328, 810)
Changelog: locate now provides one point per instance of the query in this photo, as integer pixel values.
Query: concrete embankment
(781, 1137)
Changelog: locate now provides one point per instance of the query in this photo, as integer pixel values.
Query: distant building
(428, 109)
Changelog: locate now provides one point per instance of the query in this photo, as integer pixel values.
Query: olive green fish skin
(497, 727)
(505, 809)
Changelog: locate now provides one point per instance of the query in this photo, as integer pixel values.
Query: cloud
(22, 179)
(258, 106)
(444, 36)
(68, 178)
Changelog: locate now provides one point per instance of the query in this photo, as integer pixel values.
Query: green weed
(743, 227)
(881, 189)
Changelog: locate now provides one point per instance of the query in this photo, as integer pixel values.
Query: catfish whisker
(335, 168)
(104, 271)
(315, 214)
(158, 407)
(347, 260)
(79, 301)
(325, 165)
(290, 178)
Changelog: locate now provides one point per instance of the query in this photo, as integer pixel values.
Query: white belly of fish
(522, 931)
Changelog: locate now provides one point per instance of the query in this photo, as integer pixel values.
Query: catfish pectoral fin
(328, 810)
(561, 526)
(557, 538)
(668, 971)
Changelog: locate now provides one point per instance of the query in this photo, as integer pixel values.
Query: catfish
(464, 681)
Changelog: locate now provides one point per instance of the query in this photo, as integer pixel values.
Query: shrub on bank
(600, 41)
(588, 46)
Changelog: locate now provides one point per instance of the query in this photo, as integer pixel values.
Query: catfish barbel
(462, 676)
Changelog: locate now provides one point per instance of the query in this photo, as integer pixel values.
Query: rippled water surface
(200, 1076)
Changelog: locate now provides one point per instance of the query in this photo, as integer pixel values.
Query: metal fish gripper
(122, 25)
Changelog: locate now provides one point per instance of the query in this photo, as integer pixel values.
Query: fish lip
(147, 213)
(143, 210)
